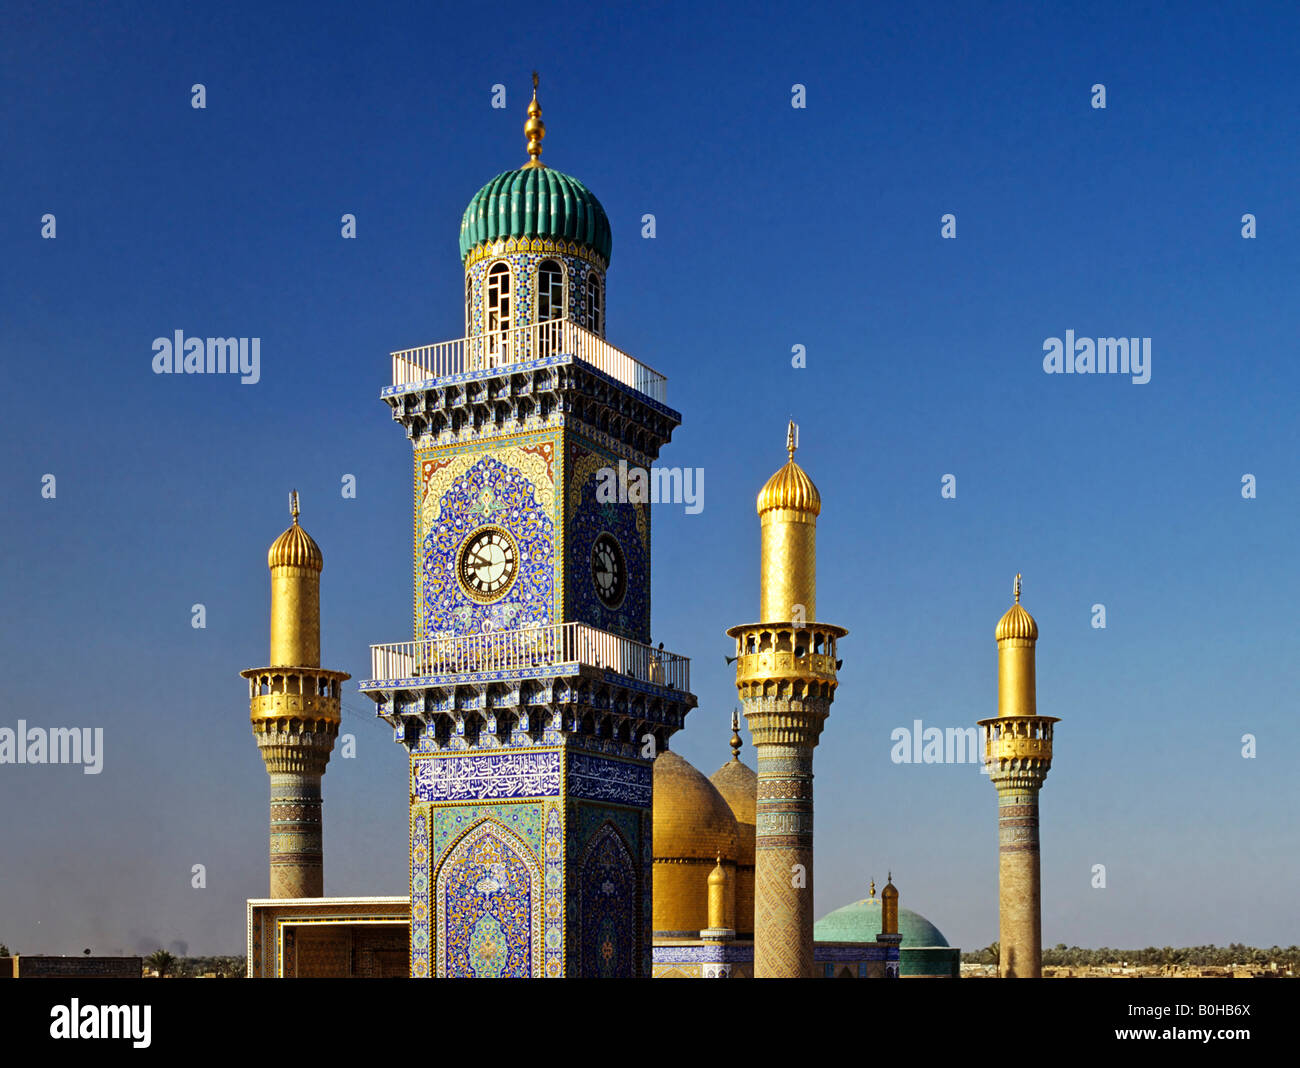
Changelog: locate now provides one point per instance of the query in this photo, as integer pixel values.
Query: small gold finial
(735, 734)
(873, 889)
(534, 129)
(792, 438)
(293, 505)
(1017, 589)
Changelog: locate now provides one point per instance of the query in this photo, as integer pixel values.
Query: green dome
(860, 922)
(535, 202)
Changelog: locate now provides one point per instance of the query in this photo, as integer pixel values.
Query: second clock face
(608, 571)
(488, 564)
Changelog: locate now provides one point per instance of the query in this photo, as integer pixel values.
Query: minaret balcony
(525, 346)
(498, 655)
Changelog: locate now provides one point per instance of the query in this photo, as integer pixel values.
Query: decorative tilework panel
(608, 908)
(524, 821)
(586, 519)
(486, 776)
(420, 933)
(489, 895)
(621, 782)
(554, 937)
(506, 483)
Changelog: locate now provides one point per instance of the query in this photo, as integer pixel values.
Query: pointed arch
(488, 905)
(609, 906)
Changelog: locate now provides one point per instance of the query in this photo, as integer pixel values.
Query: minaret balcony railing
(526, 649)
(521, 344)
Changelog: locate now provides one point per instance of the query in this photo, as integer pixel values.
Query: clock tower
(530, 699)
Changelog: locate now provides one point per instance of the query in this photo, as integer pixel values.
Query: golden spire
(735, 734)
(790, 488)
(1016, 623)
(534, 129)
(873, 889)
(295, 547)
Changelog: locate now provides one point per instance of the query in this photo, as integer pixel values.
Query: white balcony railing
(532, 342)
(507, 650)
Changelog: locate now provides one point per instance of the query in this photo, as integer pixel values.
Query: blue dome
(860, 922)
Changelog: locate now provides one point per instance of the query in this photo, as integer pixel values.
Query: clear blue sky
(776, 227)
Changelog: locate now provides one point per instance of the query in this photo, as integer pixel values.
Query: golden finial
(293, 505)
(791, 438)
(873, 889)
(534, 129)
(1017, 587)
(735, 734)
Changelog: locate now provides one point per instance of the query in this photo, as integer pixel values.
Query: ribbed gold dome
(295, 548)
(692, 820)
(790, 487)
(1017, 623)
(890, 890)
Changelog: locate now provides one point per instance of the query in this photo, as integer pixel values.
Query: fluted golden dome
(692, 820)
(738, 785)
(295, 547)
(790, 487)
(1016, 623)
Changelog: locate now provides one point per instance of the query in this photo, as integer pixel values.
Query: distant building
(31, 967)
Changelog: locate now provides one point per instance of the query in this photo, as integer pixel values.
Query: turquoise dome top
(535, 201)
(860, 922)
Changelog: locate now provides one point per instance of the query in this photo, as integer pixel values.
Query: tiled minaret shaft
(294, 710)
(1018, 754)
(785, 675)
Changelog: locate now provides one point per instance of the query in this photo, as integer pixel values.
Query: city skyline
(775, 227)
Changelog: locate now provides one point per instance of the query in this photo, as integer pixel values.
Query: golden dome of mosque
(790, 487)
(694, 830)
(692, 820)
(738, 785)
(1016, 623)
(295, 547)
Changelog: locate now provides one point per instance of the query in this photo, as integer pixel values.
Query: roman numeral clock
(531, 698)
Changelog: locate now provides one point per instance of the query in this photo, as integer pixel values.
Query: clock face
(488, 564)
(608, 571)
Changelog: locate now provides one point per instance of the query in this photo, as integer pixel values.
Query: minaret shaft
(1018, 755)
(789, 566)
(1019, 911)
(783, 862)
(294, 708)
(785, 675)
(295, 617)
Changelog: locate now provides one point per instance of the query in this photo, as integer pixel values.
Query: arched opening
(595, 317)
(497, 319)
(550, 306)
(550, 291)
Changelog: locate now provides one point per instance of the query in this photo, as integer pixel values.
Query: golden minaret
(294, 709)
(1018, 754)
(785, 674)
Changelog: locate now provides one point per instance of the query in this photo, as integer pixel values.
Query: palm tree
(994, 951)
(160, 961)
